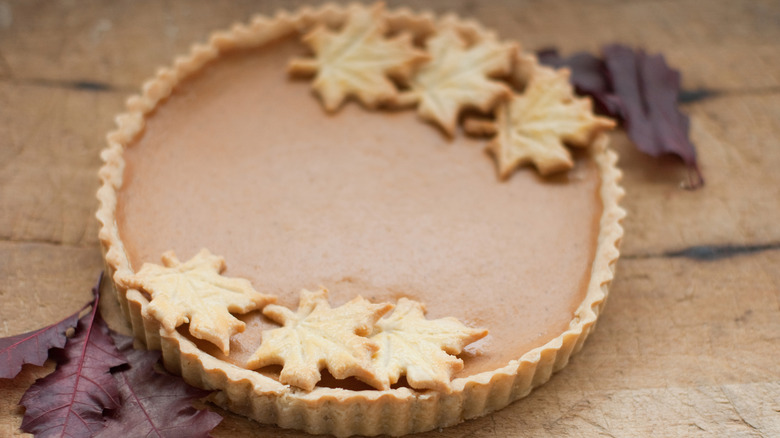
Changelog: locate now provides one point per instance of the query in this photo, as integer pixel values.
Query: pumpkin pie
(351, 220)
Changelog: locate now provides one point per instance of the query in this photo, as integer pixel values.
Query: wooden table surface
(689, 344)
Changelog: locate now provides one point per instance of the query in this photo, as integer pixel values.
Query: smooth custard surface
(244, 161)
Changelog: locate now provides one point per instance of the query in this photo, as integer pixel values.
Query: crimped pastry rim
(340, 412)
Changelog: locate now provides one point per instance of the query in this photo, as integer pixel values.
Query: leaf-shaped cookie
(458, 76)
(318, 337)
(358, 60)
(420, 348)
(532, 127)
(195, 292)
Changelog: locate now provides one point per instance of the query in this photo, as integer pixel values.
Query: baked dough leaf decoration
(194, 292)
(421, 349)
(458, 76)
(318, 336)
(358, 60)
(533, 126)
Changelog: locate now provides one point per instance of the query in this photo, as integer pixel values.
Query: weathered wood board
(689, 344)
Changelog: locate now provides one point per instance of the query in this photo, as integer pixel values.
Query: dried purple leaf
(648, 90)
(154, 404)
(639, 90)
(33, 347)
(71, 401)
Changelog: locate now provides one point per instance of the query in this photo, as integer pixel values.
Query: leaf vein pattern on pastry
(424, 350)
(318, 336)
(195, 292)
(351, 341)
(458, 76)
(532, 127)
(358, 60)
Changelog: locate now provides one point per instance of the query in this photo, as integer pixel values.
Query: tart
(355, 257)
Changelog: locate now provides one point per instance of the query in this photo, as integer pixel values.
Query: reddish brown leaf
(642, 91)
(155, 404)
(70, 401)
(648, 90)
(33, 347)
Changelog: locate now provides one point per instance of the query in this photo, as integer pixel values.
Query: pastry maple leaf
(458, 76)
(532, 127)
(196, 293)
(318, 337)
(358, 60)
(420, 348)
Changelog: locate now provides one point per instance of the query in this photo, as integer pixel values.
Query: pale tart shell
(340, 412)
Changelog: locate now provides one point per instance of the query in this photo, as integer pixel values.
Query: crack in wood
(733, 406)
(699, 94)
(708, 253)
(80, 85)
(11, 240)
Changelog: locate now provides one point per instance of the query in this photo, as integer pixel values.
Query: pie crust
(340, 411)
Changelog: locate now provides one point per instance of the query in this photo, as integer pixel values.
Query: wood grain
(689, 344)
